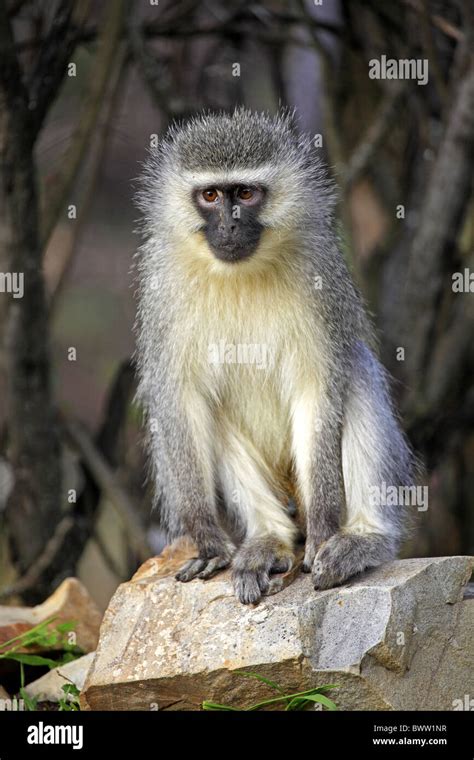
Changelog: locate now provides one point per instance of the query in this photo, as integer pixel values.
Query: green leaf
(298, 704)
(32, 659)
(67, 626)
(66, 706)
(70, 688)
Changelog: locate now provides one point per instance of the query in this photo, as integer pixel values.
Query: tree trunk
(33, 508)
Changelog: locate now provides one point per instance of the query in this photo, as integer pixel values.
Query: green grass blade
(283, 698)
(258, 677)
(320, 698)
(30, 702)
(215, 707)
(25, 636)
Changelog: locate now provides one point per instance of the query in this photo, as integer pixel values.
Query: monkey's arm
(185, 481)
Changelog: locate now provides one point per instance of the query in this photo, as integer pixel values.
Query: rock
(3, 694)
(70, 601)
(48, 688)
(396, 638)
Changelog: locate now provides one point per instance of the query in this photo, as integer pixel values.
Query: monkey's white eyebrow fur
(261, 174)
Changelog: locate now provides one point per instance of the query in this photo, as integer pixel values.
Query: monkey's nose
(225, 229)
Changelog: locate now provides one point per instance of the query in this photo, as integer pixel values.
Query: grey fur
(254, 562)
(247, 140)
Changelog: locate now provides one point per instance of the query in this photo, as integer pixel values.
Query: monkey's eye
(245, 194)
(210, 195)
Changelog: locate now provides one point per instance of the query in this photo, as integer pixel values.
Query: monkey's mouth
(232, 253)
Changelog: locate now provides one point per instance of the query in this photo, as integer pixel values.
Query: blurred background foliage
(84, 86)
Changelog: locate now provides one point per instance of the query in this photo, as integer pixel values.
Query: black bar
(305, 735)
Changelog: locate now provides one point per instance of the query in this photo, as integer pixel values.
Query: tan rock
(398, 637)
(70, 601)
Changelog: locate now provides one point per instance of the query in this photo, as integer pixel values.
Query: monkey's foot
(347, 554)
(254, 563)
(202, 567)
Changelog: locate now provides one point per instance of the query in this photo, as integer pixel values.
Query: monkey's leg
(374, 453)
(316, 433)
(268, 531)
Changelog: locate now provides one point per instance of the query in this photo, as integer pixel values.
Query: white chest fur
(248, 344)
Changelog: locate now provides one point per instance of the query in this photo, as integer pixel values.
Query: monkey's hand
(312, 545)
(254, 563)
(205, 566)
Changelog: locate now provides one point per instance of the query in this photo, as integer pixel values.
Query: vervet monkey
(240, 259)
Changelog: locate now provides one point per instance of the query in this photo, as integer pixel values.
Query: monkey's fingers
(213, 566)
(191, 569)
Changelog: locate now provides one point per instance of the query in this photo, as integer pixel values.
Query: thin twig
(438, 21)
(34, 573)
(107, 557)
(97, 151)
(106, 479)
(244, 25)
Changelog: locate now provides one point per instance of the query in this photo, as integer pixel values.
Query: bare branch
(440, 217)
(110, 487)
(367, 148)
(96, 158)
(13, 92)
(107, 557)
(450, 354)
(45, 559)
(153, 72)
(54, 200)
(242, 25)
(441, 23)
(55, 53)
(16, 6)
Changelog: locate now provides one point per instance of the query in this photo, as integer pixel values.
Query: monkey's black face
(231, 214)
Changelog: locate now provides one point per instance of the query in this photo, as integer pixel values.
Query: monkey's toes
(282, 565)
(190, 569)
(201, 567)
(214, 565)
(249, 585)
